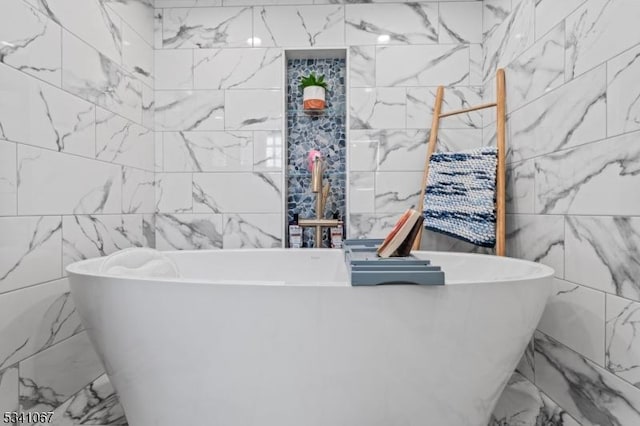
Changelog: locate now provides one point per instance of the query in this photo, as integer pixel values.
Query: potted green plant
(313, 91)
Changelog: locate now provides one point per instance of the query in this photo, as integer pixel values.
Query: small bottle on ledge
(336, 234)
(295, 233)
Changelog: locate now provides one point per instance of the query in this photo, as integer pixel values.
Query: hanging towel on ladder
(460, 196)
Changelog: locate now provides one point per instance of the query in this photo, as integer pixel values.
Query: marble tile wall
(574, 147)
(219, 82)
(76, 181)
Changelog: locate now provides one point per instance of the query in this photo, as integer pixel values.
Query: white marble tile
(575, 317)
(263, 2)
(599, 30)
(85, 237)
(476, 60)
(149, 230)
(188, 231)
(138, 14)
(187, 3)
(460, 22)
(388, 150)
(138, 191)
(253, 109)
(509, 39)
(537, 238)
(218, 193)
(30, 248)
(189, 110)
(158, 154)
(30, 41)
(538, 70)
(120, 141)
(174, 193)
(362, 66)
(293, 26)
(94, 77)
(8, 179)
(268, 151)
(237, 68)
(362, 192)
(9, 380)
(137, 56)
(370, 225)
(550, 13)
(208, 151)
(397, 191)
(428, 65)
(494, 13)
(90, 20)
(450, 140)
(97, 403)
(363, 151)
(589, 393)
(602, 252)
(408, 23)
(48, 183)
(193, 28)
(421, 100)
(522, 404)
(520, 191)
(157, 28)
(50, 377)
(623, 107)
(252, 231)
(148, 107)
(174, 69)
(378, 108)
(34, 319)
(560, 119)
(526, 366)
(595, 179)
(38, 114)
(622, 345)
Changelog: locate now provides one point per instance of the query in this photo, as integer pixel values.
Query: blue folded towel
(460, 196)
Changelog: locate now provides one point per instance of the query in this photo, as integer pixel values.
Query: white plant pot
(314, 97)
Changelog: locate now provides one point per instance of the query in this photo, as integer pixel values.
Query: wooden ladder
(501, 122)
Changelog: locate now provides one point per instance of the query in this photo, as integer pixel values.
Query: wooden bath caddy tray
(366, 268)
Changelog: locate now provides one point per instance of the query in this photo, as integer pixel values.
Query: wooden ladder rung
(462, 111)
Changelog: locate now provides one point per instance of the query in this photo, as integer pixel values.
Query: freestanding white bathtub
(279, 338)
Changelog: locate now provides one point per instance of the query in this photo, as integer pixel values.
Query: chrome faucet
(322, 194)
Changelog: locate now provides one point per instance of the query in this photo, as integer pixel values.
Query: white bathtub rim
(87, 268)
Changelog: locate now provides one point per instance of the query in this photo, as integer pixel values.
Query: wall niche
(323, 130)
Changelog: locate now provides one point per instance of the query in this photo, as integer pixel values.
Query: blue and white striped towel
(460, 195)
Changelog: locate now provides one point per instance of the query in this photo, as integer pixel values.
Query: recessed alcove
(324, 130)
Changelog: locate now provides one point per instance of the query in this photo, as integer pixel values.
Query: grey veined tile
(623, 344)
(9, 390)
(96, 404)
(31, 248)
(34, 319)
(598, 30)
(407, 23)
(603, 252)
(31, 42)
(594, 179)
(623, 93)
(589, 393)
(188, 231)
(523, 404)
(50, 377)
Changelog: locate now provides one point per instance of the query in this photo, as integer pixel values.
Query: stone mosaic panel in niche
(325, 132)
